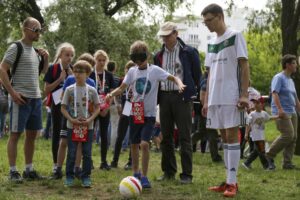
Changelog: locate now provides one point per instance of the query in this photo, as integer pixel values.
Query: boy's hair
(83, 65)
(129, 64)
(87, 57)
(62, 47)
(111, 66)
(213, 9)
(103, 53)
(287, 59)
(139, 47)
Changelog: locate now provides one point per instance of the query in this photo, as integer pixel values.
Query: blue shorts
(140, 132)
(156, 131)
(27, 116)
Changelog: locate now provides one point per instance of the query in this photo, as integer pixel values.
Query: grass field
(254, 184)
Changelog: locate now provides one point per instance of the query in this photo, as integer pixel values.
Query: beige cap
(167, 28)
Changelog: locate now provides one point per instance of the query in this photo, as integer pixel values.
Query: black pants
(122, 129)
(258, 151)
(103, 128)
(173, 110)
(56, 127)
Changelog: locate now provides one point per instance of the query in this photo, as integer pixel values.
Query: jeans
(86, 156)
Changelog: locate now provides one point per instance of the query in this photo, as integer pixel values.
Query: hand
(281, 113)
(76, 121)
(44, 53)
(85, 122)
(108, 98)
(18, 98)
(181, 88)
(243, 103)
(204, 110)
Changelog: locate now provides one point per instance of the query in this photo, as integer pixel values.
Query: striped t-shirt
(26, 77)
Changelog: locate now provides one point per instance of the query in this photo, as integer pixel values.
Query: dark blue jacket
(189, 58)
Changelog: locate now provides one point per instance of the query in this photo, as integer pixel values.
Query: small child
(144, 80)
(256, 127)
(80, 106)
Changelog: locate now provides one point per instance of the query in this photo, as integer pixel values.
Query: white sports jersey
(256, 121)
(222, 59)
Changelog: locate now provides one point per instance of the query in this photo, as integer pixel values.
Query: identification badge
(127, 108)
(80, 133)
(138, 112)
(103, 104)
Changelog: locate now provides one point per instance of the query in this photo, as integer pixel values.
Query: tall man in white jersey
(26, 104)
(227, 94)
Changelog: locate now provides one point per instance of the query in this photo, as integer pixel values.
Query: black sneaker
(271, 163)
(56, 175)
(104, 166)
(32, 175)
(128, 166)
(185, 180)
(166, 177)
(15, 176)
(114, 164)
(288, 166)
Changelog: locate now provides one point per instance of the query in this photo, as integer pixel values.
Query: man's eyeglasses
(206, 21)
(36, 30)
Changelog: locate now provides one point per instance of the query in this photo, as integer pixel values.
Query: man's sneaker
(219, 188)
(288, 166)
(69, 182)
(185, 180)
(86, 182)
(231, 190)
(104, 166)
(56, 175)
(248, 167)
(137, 175)
(32, 175)
(271, 163)
(145, 182)
(15, 176)
(128, 166)
(166, 177)
(114, 164)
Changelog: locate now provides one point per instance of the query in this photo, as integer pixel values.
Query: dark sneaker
(69, 182)
(56, 175)
(32, 175)
(217, 159)
(86, 182)
(166, 177)
(15, 176)
(288, 166)
(137, 175)
(185, 180)
(145, 182)
(128, 166)
(104, 166)
(246, 166)
(114, 164)
(271, 163)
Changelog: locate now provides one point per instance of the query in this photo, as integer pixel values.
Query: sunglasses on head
(138, 57)
(36, 30)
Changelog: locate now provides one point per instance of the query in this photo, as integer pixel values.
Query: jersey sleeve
(241, 46)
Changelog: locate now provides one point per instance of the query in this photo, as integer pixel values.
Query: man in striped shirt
(26, 104)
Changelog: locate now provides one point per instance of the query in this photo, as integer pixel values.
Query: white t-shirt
(256, 121)
(222, 59)
(137, 78)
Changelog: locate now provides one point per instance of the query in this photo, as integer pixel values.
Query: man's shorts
(140, 132)
(64, 129)
(223, 117)
(27, 116)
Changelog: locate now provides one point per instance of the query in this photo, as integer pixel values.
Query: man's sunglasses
(36, 30)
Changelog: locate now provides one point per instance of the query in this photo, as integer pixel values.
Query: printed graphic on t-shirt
(140, 85)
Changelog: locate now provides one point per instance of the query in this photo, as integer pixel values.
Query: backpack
(19, 53)
(54, 73)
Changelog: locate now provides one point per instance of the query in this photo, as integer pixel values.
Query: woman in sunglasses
(144, 80)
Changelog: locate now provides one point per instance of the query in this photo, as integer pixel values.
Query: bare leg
(29, 145)
(12, 145)
(145, 157)
(62, 151)
(135, 157)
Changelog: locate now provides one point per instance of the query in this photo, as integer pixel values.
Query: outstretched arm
(178, 82)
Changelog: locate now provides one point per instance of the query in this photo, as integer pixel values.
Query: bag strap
(19, 53)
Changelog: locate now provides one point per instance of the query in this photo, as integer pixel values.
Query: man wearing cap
(182, 61)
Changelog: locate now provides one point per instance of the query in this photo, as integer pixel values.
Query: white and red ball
(130, 187)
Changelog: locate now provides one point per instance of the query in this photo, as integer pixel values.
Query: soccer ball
(130, 187)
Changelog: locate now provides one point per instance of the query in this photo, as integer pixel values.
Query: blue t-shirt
(71, 80)
(285, 88)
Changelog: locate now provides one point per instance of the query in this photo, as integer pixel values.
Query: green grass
(254, 184)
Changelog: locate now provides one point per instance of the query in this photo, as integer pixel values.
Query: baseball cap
(167, 28)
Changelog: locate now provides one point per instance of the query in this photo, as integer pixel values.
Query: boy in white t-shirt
(256, 127)
(144, 80)
(227, 94)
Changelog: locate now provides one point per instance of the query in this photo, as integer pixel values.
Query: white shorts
(223, 117)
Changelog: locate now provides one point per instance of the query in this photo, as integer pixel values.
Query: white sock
(13, 168)
(234, 153)
(225, 151)
(29, 167)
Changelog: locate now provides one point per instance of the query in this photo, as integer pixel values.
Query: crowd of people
(88, 91)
